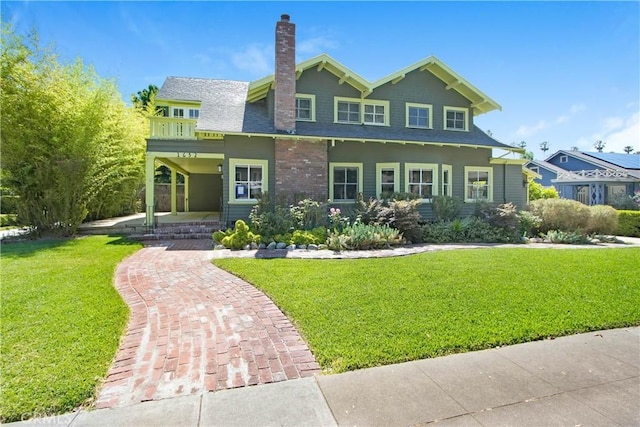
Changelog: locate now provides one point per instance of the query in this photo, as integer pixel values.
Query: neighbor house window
(455, 118)
(478, 184)
(421, 179)
(345, 181)
(534, 169)
(305, 107)
(418, 116)
(248, 180)
(447, 186)
(356, 111)
(387, 179)
(564, 159)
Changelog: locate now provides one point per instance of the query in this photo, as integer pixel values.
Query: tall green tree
(145, 97)
(71, 148)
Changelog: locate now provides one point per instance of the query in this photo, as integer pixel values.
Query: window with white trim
(387, 179)
(305, 107)
(447, 176)
(249, 180)
(347, 111)
(194, 113)
(418, 115)
(366, 111)
(177, 112)
(455, 118)
(421, 179)
(534, 169)
(478, 184)
(345, 181)
(564, 159)
(374, 114)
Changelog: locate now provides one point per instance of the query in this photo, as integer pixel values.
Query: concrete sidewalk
(586, 379)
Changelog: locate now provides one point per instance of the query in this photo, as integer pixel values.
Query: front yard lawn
(62, 320)
(368, 312)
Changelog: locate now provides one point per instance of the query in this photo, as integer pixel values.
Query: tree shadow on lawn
(25, 247)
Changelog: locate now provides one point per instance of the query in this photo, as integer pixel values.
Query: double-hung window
(249, 179)
(305, 107)
(418, 116)
(194, 113)
(455, 118)
(478, 184)
(375, 113)
(421, 179)
(345, 181)
(177, 112)
(387, 179)
(347, 111)
(357, 111)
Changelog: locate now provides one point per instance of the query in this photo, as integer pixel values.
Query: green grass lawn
(362, 313)
(61, 322)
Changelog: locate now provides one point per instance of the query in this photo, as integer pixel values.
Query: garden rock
(302, 246)
(271, 246)
(219, 247)
(312, 247)
(291, 247)
(262, 246)
(254, 245)
(281, 245)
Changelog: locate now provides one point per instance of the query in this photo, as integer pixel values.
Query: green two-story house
(318, 128)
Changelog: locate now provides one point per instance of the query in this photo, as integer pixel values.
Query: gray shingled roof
(224, 109)
(546, 165)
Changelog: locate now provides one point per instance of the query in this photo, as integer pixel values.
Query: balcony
(592, 175)
(173, 128)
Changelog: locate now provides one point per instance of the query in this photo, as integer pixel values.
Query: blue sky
(564, 72)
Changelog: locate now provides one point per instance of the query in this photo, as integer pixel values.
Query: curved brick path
(195, 328)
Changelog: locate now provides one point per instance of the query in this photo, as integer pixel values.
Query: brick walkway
(195, 328)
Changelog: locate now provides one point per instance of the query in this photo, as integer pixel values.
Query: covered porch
(203, 186)
(594, 187)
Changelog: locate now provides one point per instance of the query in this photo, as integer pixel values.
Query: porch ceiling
(195, 166)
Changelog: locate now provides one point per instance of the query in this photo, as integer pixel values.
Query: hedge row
(628, 223)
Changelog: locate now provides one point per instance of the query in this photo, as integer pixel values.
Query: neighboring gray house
(320, 129)
(592, 178)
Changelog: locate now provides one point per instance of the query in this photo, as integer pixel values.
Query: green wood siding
(424, 88)
(171, 147)
(205, 191)
(240, 147)
(458, 158)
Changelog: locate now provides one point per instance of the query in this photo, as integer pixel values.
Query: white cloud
(316, 45)
(256, 58)
(576, 108)
(525, 131)
(616, 132)
(202, 58)
(627, 134)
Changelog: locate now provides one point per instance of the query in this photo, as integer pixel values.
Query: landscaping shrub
(402, 215)
(301, 237)
(528, 223)
(7, 220)
(308, 214)
(363, 236)
(628, 223)
(367, 212)
(237, 238)
(603, 219)
(270, 219)
(446, 208)
(537, 191)
(560, 214)
(625, 202)
(567, 237)
(504, 218)
(466, 230)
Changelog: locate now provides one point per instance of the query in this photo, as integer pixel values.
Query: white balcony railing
(591, 174)
(173, 128)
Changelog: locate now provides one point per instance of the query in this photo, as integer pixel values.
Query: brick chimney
(284, 116)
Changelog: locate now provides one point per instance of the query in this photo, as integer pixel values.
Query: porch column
(174, 192)
(150, 171)
(186, 193)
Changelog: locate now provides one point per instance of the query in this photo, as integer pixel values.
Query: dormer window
(366, 111)
(305, 107)
(455, 118)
